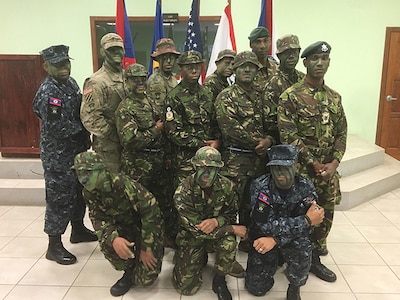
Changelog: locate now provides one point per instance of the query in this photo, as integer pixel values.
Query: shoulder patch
(264, 198)
(87, 90)
(55, 101)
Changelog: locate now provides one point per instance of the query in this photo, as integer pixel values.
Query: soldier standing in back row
(102, 92)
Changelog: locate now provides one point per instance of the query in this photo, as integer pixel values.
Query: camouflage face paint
(205, 176)
(283, 176)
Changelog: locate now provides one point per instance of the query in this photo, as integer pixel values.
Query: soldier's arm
(341, 133)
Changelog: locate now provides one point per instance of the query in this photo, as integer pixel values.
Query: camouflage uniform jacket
(265, 73)
(273, 90)
(313, 119)
(102, 92)
(277, 216)
(216, 84)
(124, 207)
(190, 116)
(194, 205)
(62, 134)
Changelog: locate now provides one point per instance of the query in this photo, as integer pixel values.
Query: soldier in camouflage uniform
(62, 136)
(127, 221)
(260, 42)
(284, 209)
(288, 52)
(218, 80)
(245, 138)
(141, 134)
(190, 121)
(311, 116)
(102, 92)
(206, 203)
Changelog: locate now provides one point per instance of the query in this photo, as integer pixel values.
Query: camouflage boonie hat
(282, 155)
(190, 57)
(55, 54)
(164, 45)
(245, 56)
(289, 41)
(135, 70)
(316, 48)
(111, 40)
(225, 53)
(258, 32)
(207, 157)
(88, 161)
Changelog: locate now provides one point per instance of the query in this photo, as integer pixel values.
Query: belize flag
(158, 34)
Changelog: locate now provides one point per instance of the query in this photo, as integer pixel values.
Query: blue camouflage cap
(316, 48)
(282, 155)
(55, 54)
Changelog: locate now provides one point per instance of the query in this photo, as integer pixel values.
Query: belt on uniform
(151, 150)
(239, 150)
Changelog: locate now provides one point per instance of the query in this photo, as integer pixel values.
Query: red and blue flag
(123, 29)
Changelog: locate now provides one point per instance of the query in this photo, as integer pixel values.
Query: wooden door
(20, 77)
(388, 129)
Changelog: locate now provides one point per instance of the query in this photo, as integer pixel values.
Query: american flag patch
(264, 198)
(55, 101)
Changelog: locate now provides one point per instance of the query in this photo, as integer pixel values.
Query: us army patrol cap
(136, 70)
(111, 40)
(207, 157)
(225, 53)
(55, 54)
(258, 32)
(88, 161)
(243, 57)
(190, 57)
(316, 48)
(164, 45)
(282, 155)
(289, 41)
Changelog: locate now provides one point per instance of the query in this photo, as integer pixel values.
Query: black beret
(316, 48)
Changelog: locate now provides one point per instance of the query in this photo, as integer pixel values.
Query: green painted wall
(354, 28)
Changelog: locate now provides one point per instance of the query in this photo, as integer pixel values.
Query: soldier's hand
(208, 225)
(123, 248)
(212, 143)
(264, 244)
(240, 231)
(329, 169)
(160, 125)
(148, 259)
(316, 214)
(263, 145)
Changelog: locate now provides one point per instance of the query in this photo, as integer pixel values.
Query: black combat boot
(293, 292)
(58, 253)
(320, 270)
(244, 246)
(237, 270)
(219, 287)
(123, 284)
(79, 233)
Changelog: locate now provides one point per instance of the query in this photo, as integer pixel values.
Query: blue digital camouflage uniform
(279, 215)
(62, 136)
(126, 209)
(313, 119)
(194, 206)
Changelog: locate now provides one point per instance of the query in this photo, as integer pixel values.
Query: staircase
(367, 172)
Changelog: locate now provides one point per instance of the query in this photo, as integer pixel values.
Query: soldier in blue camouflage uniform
(62, 136)
(288, 52)
(102, 92)
(245, 137)
(311, 116)
(284, 209)
(260, 42)
(127, 221)
(206, 203)
(218, 80)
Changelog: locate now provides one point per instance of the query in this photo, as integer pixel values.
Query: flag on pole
(224, 38)
(158, 34)
(123, 29)
(193, 34)
(266, 20)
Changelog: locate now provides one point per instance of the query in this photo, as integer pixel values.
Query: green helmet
(244, 57)
(135, 70)
(88, 161)
(190, 57)
(207, 157)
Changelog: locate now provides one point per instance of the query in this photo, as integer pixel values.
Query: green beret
(316, 48)
(258, 32)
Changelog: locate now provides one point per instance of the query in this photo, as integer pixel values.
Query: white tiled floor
(364, 252)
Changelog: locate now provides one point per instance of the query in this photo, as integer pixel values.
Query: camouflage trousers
(191, 257)
(261, 268)
(64, 201)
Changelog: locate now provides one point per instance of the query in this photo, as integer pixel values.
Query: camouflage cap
(135, 70)
(111, 40)
(316, 48)
(55, 54)
(164, 45)
(282, 155)
(225, 53)
(289, 41)
(207, 157)
(258, 32)
(88, 161)
(245, 56)
(190, 57)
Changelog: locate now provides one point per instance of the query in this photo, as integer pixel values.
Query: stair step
(22, 192)
(20, 168)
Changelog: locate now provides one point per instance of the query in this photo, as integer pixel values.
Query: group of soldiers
(173, 161)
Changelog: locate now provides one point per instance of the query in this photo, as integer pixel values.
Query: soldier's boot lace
(320, 270)
(293, 292)
(123, 284)
(79, 233)
(219, 287)
(58, 253)
(237, 270)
